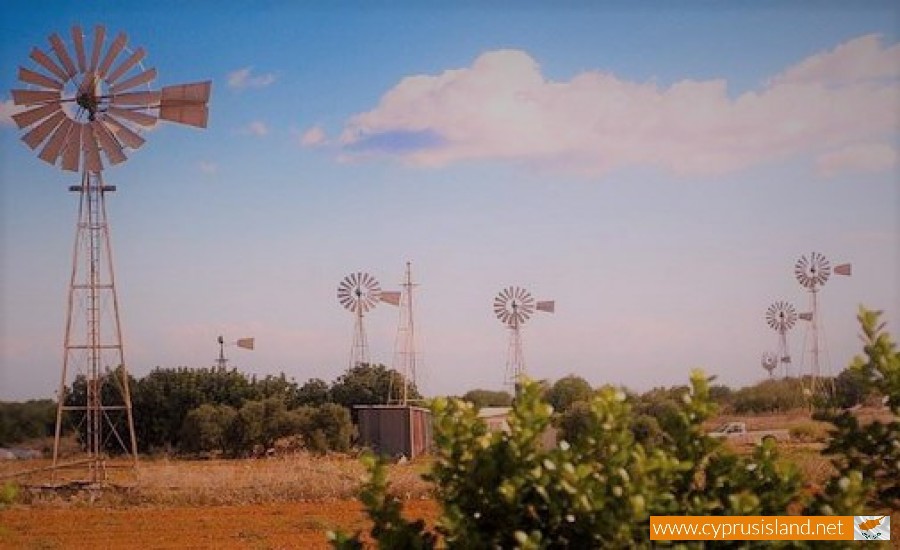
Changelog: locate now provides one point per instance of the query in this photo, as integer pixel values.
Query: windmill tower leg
(93, 354)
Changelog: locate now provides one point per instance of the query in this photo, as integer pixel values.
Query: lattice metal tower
(513, 306)
(405, 357)
(76, 109)
(812, 272)
(359, 293)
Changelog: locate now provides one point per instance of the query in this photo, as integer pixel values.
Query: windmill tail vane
(246, 343)
(844, 269)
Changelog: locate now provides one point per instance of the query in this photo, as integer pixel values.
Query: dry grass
(164, 482)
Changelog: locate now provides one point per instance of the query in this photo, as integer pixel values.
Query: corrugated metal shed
(394, 430)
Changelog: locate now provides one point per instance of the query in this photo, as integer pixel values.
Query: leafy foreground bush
(598, 490)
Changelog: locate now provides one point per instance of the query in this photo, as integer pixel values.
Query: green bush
(598, 488)
(867, 458)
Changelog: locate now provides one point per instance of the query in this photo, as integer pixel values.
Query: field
(282, 502)
(288, 502)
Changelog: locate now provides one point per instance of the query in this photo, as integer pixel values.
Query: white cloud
(7, 110)
(256, 128)
(313, 137)
(243, 78)
(862, 157)
(208, 167)
(502, 107)
(854, 61)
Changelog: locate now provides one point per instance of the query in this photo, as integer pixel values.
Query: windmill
(781, 317)
(359, 293)
(769, 362)
(513, 306)
(245, 343)
(77, 110)
(812, 272)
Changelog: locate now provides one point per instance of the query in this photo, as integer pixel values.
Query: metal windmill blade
(359, 292)
(812, 271)
(781, 316)
(84, 111)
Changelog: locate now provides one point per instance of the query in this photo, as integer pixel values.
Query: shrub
(597, 489)
(867, 458)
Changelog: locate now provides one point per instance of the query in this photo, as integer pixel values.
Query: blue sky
(655, 168)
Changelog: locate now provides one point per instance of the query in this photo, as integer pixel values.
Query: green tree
(204, 428)
(326, 428)
(367, 385)
(568, 390)
(851, 388)
(488, 398)
(29, 420)
(314, 392)
(866, 457)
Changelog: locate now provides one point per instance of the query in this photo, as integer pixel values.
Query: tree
(314, 392)
(326, 428)
(851, 388)
(488, 398)
(28, 420)
(568, 390)
(204, 428)
(367, 385)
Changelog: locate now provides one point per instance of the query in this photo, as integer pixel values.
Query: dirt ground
(261, 526)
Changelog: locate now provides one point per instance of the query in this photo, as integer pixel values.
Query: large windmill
(80, 110)
(513, 306)
(812, 272)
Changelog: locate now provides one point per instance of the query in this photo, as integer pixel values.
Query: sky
(655, 168)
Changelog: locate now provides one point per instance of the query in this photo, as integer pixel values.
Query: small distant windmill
(781, 317)
(359, 293)
(769, 362)
(83, 109)
(513, 306)
(245, 343)
(812, 272)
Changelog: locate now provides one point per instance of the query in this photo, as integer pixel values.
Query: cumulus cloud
(243, 78)
(861, 157)
(256, 128)
(503, 107)
(858, 60)
(313, 137)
